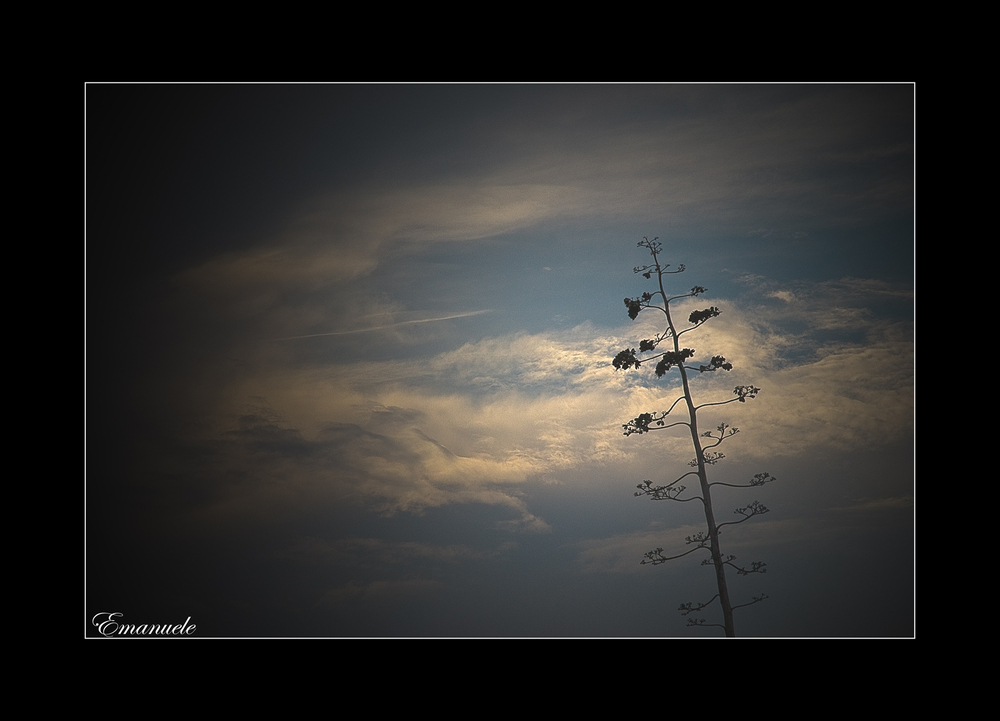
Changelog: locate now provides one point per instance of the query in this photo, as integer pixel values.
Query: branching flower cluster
(709, 459)
(675, 359)
(725, 431)
(635, 305)
(625, 360)
(754, 509)
(700, 316)
(755, 567)
(687, 608)
(755, 599)
(640, 424)
(654, 557)
(671, 359)
(715, 364)
(669, 492)
(701, 538)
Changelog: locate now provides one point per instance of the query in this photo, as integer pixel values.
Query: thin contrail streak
(390, 325)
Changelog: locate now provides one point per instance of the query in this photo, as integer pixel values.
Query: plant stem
(706, 491)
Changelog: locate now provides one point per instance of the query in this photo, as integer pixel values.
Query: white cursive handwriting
(108, 625)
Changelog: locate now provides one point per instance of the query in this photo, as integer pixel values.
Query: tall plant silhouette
(703, 443)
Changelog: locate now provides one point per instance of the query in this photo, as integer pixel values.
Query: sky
(348, 356)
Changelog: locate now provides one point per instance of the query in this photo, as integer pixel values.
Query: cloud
(833, 372)
(473, 423)
(341, 236)
(476, 423)
(797, 155)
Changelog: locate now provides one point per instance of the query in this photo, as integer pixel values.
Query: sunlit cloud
(471, 425)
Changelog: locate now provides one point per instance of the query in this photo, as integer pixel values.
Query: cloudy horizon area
(349, 356)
